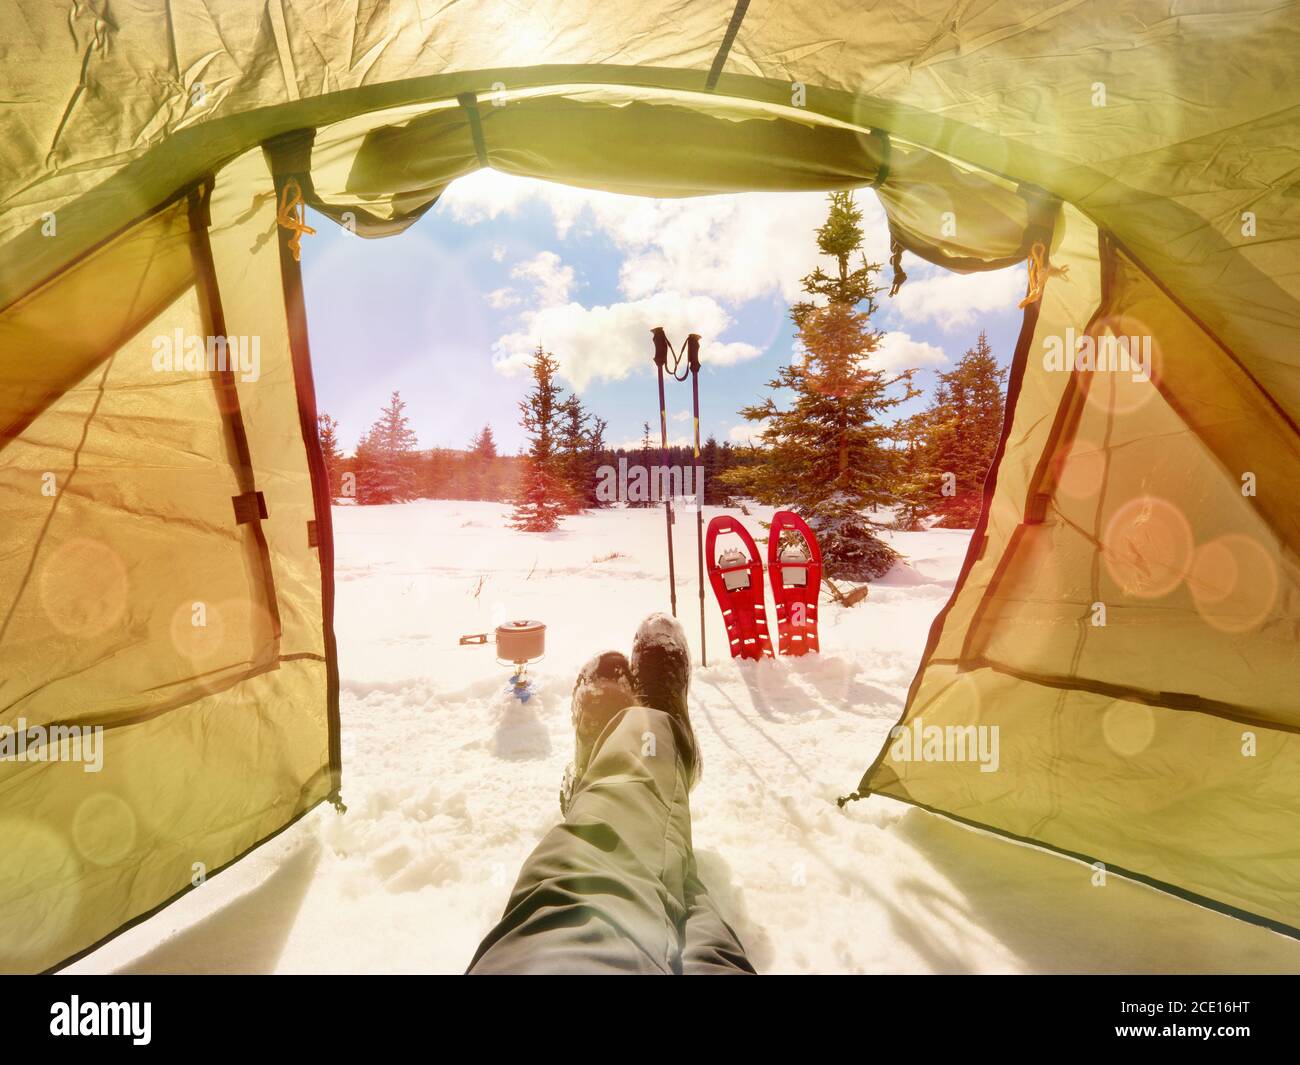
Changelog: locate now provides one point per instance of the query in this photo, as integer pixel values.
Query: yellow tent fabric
(152, 155)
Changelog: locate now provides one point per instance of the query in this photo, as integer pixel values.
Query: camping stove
(518, 643)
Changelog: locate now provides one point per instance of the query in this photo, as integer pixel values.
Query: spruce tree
(956, 437)
(595, 452)
(646, 461)
(365, 461)
(913, 505)
(714, 492)
(479, 465)
(573, 458)
(484, 445)
(542, 491)
(729, 457)
(435, 475)
(328, 428)
(827, 454)
(386, 457)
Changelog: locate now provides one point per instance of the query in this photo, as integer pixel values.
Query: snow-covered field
(450, 781)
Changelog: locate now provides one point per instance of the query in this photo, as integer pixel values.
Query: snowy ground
(450, 782)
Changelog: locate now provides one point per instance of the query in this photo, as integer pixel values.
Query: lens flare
(198, 630)
(38, 876)
(83, 587)
(977, 148)
(1147, 547)
(1080, 469)
(104, 829)
(1234, 583)
(1125, 363)
(1128, 728)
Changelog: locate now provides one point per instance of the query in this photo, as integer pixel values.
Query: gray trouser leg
(611, 888)
(710, 946)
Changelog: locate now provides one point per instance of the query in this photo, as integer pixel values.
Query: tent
(1127, 615)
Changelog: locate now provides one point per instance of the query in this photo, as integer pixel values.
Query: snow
(450, 781)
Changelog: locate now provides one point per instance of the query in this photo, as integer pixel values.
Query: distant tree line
(715, 460)
(566, 468)
(388, 467)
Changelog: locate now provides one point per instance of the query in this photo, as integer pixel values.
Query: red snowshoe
(737, 580)
(796, 573)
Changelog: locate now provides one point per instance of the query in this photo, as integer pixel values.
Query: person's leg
(613, 888)
(604, 891)
(710, 945)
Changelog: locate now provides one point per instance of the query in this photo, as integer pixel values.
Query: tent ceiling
(1148, 146)
(112, 115)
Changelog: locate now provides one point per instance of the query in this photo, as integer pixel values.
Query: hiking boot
(603, 688)
(661, 673)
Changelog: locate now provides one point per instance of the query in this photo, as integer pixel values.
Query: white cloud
(552, 280)
(483, 195)
(898, 351)
(681, 416)
(487, 194)
(746, 432)
(501, 298)
(734, 248)
(953, 300)
(684, 261)
(608, 343)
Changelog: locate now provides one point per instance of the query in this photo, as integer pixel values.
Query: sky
(449, 312)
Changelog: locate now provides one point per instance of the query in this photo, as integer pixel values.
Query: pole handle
(693, 353)
(661, 346)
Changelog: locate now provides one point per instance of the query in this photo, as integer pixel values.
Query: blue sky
(448, 311)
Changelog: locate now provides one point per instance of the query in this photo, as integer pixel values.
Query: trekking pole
(661, 360)
(693, 367)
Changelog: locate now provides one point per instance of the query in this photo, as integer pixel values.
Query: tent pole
(223, 381)
(693, 365)
(661, 359)
(289, 157)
